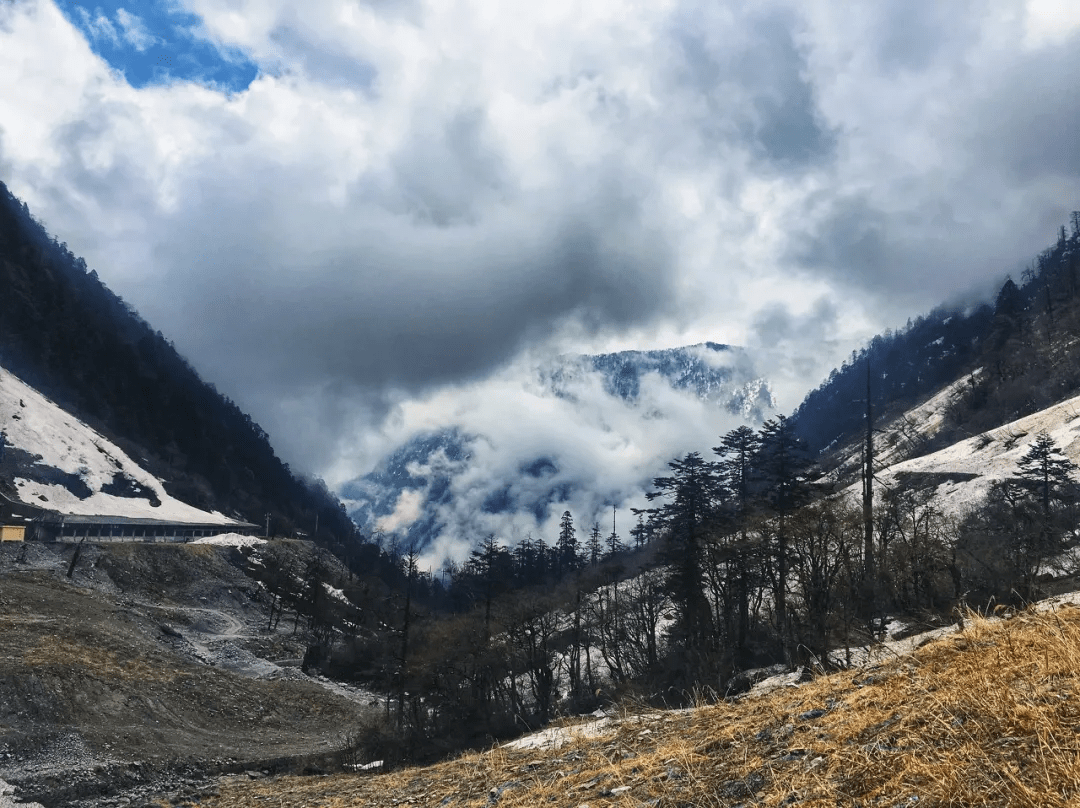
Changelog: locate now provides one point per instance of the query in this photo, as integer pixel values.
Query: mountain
(572, 420)
(68, 336)
(711, 372)
(990, 365)
(53, 460)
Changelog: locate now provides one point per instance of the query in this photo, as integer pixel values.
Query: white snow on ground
(336, 594)
(34, 424)
(920, 423)
(554, 737)
(231, 540)
(902, 436)
(992, 456)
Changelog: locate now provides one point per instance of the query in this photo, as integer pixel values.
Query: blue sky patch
(157, 42)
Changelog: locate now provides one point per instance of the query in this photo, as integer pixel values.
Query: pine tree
(737, 451)
(567, 545)
(784, 465)
(1047, 472)
(594, 549)
(692, 493)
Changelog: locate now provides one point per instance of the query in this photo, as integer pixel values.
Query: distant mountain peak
(458, 481)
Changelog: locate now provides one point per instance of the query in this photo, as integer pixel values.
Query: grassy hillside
(986, 716)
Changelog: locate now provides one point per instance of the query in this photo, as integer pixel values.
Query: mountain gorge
(754, 553)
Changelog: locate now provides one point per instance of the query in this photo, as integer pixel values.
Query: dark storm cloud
(409, 195)
(755, 88)
(402, 301)
(915, 34)
(911, 264)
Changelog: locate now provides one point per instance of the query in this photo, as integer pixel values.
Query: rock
(746, 787)
(810, 715)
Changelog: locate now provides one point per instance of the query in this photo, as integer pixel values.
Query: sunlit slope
(987, 716)
(961, 474)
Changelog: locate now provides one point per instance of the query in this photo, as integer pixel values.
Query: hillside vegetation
(1026, 341)
(986, 716)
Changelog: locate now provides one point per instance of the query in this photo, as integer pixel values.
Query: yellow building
(12, 532)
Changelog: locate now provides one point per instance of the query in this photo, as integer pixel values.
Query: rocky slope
(152, 669)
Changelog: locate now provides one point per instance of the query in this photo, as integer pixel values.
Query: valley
(839, 603)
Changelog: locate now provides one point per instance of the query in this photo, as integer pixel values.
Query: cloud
(409, 196)
(134, 30)
(529, 453)
(98, 26)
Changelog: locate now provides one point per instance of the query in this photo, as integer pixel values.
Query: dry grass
(988, 716)
(62, 653)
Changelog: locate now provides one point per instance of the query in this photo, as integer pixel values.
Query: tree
(594, 548)
(409, 561)
(1046, 472)
(784, 465)
(737, 451)
(692, 493)
(614, 543)
(1046, 478)
(567, 544)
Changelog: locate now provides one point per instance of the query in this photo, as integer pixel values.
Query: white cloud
(134, 30)
(1050, 22)
(406, 511)
(98, 25)
(411, 194)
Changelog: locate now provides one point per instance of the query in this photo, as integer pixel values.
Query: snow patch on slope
(60, 441)
(904, 436)
(967, 469)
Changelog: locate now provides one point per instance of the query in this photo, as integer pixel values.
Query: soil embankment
(151, 669)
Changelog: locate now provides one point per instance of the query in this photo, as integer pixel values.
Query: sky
(338, 209)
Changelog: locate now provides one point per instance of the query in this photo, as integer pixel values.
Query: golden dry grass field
(987, 716)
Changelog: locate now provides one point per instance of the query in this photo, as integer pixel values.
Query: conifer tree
(692, 493)
(567, 544)
(784, 464)
(1046, 472)
(594, 549)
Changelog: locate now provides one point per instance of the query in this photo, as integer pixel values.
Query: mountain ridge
(411, 492)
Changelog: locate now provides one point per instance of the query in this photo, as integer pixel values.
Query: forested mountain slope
(67, 335)
(1026, 345)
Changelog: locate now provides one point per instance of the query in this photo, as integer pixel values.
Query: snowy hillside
(905, 437)
(56, 461)
(963, 473)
